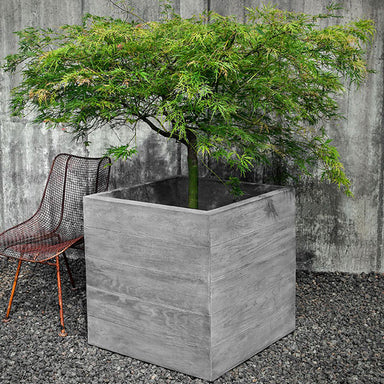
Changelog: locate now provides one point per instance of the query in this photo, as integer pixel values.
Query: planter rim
(105, 196)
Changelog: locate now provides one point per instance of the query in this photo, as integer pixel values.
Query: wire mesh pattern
(58, 222)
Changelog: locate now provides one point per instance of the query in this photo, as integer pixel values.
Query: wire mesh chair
(58, 222)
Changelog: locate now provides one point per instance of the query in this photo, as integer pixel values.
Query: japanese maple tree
(235, 91)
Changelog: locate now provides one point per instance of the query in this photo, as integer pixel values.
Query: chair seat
(40, 248)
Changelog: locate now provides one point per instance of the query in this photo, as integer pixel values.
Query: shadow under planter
(197, 291)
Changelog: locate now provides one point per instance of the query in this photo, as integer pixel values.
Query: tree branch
(126, 10)
(161, 132)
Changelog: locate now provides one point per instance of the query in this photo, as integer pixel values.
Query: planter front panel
(194, 291)
(149, 346)
(147, 283)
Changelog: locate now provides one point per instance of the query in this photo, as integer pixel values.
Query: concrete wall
(336, 232)
(333, 232)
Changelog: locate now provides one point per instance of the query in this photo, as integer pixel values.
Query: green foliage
(234, 185)
(122, 152)
(242, 91)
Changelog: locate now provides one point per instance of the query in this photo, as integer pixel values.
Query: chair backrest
(70, 179)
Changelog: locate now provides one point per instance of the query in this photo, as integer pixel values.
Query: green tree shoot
(237, 92)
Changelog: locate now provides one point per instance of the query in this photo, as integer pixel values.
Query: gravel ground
(339, 336)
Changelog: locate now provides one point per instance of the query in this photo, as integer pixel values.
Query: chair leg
(63, 333)
(69, 272)
(6, 318)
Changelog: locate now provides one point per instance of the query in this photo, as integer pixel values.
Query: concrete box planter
(197, 291)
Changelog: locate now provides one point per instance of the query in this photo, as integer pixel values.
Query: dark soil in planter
(174, 192)
(338, 338)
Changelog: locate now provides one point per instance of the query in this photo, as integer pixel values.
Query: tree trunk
(193, 173)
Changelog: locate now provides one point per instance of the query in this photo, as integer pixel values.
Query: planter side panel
(146, 297)
(253, 278)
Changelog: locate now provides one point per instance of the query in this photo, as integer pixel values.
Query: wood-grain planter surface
(197, 291)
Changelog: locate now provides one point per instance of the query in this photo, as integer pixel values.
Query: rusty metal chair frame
(58, 222)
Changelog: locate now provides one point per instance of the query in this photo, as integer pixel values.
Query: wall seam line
(380, 215)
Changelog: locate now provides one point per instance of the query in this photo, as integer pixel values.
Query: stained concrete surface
(334, 232)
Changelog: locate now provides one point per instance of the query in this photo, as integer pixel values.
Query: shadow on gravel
(339, 336)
